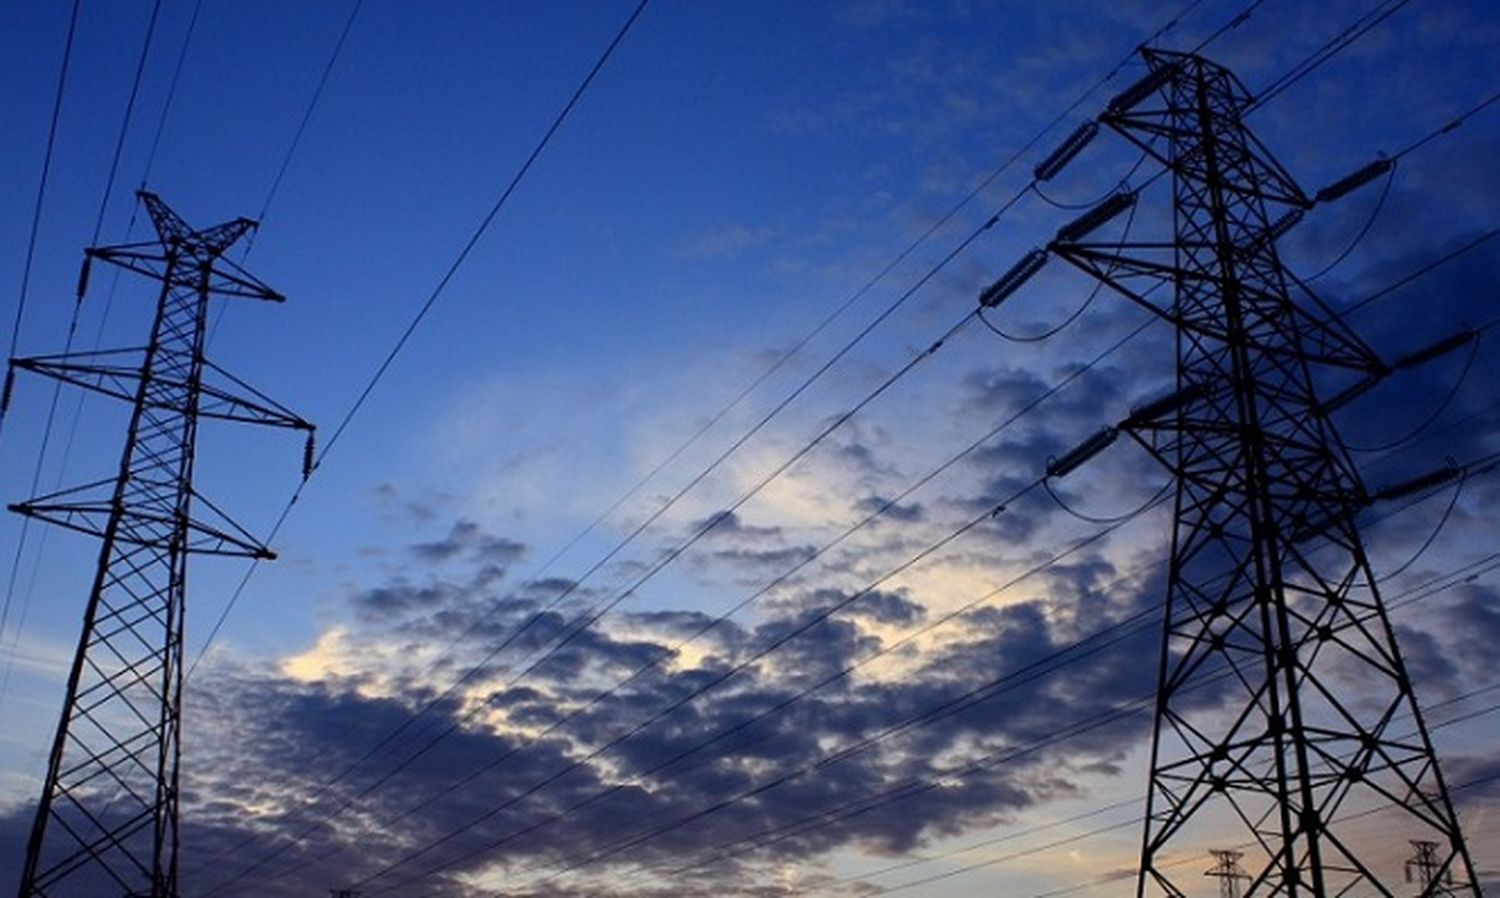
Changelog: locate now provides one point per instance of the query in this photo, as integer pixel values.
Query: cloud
(726, 241)
(889, 509)
(468, 540)
(270, 747)
(884, 764)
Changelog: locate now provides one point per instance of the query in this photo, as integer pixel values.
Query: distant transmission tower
(1425, 868)
(1284, 707)
(107, 820)
(1228, 871)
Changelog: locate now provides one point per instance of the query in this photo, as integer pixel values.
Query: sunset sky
(736, 174)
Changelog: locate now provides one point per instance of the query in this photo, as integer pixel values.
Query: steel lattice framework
(107, 822)
(1284, 707)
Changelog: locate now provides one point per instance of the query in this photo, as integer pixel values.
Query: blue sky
(734, 175)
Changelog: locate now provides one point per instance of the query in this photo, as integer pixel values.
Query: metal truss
(1284, 706)
(107, 822)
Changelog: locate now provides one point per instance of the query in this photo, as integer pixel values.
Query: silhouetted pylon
(1284, 708)
(107, 822)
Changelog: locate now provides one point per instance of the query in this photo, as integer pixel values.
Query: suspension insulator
(1095, 218)
(1351, 183)
(1011, 281)
(307, 456)
(1285, 223)
(1350, 393)
(1066, 152)
(10, 385)
(1160, 408)
(1427, 481)
(1275, 230)
(1440, 348)
(83, 275)
(1071, 461)
(1131, 96)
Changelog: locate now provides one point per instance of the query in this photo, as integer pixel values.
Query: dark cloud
(399, 600)
(264, 741)
(469, 541)
(889, 509)
(889, 608)
(753, 554)
(729, 525)
(959, 742)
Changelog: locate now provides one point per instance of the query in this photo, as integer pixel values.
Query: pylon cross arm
(115, 378)
(1323, 343)
(216, 276)
(149, 530)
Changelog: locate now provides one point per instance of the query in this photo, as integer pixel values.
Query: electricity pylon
(1423, 869)
(1284, 708)
(107, 821)
(1227, 871)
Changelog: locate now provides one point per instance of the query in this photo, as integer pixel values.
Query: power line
(803, 627)
(1008, 754)
(1094, 833)
(1239, 19)
(575, 631)
(296, 141)
(911, 789)
(36, 223)
(385, 740)
(478, 233)
(1438, 408)
(1444, 259)
(135, 89)
(1392, 164)
(166, 109)
(1335, 45)
(51, 416)
(1245, 465)
(507, 837)
(307, 114)
(427, 306)
(110, 297)
(676, 649)
(592, 616)
(1120, 805)
(1116, 877)
(570, 768)
(1117, 633)
(1452, 125)
(1360, 235)
(982, 693)
(802, 342)
(927, 718)
(1477, 467)
(1093, 294)
(41, 189)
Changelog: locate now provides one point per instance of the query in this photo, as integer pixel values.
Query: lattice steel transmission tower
(1227, 871)
(107, 822)
(1284, 707)
(1425, 869)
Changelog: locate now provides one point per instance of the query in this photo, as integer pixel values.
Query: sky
(736, 175)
